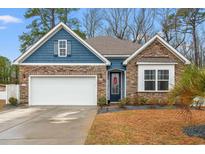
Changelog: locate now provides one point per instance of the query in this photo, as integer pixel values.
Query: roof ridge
(102, 36)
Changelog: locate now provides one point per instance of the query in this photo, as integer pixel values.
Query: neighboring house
(2, 87)
(63, 69)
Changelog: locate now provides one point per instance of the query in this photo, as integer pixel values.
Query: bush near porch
(143, 101)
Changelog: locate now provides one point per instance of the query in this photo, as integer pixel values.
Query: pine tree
(43, 20)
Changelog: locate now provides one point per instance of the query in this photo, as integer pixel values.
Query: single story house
(63, 69)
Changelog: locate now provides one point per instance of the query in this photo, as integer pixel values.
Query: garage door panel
(63, 91)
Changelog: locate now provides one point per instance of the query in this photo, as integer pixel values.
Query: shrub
(165, 101)
(135, 101)
(102, 101)
(190, 85)
(153, 101)
(13, 101)
(123, 102)
(143, 100)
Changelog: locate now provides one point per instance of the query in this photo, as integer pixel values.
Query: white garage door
(63, 90)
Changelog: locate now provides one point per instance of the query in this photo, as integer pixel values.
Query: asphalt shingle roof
(107, 45)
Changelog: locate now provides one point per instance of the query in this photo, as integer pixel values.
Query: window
(115, 89)
(62, 48)
(163, 79)
(155, 77)
(149, 79)
(156, 80)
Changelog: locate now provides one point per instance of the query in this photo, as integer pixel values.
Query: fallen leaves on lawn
(143, 127)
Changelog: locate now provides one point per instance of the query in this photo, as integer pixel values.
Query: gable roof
(49, 35)
(163, 42)
(108, 45)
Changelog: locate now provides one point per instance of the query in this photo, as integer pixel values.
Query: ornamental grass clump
(189, 86)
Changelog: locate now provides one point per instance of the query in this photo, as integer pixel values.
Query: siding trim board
(149, 63)
(49, 35)
(69, 64)
(116, 56)
(117, 63)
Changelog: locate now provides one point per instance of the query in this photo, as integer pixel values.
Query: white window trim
(155, 80)
(141, 68)
(66, 51)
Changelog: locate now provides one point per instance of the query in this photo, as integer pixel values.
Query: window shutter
(55, 47)
(69, 47)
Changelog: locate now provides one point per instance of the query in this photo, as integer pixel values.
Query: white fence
(12, 90)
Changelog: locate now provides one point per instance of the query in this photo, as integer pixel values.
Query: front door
(115, 86)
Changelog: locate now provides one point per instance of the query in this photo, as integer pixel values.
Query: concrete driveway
(46, 125)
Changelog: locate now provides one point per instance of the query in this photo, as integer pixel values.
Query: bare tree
(118, 22)
(201, 44)
(92, 22)
(186, 49)
(141, 26)
(190, 19)
(171, 30)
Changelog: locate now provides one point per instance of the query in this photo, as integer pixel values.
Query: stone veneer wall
(156, 49)
(26, 70)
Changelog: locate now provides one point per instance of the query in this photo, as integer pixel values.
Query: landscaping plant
(143, 100)
(102, 101)
(13, 101)
(190, 86)
(153, 101)
(123, 102)
(135, 101)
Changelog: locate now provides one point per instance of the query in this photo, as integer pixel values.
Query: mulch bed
(198, 131)
(116, 108)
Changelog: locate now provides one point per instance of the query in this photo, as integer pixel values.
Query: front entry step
(114, 102)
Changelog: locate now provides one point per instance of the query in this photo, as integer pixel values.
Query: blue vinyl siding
(79, 53)
(116, 63)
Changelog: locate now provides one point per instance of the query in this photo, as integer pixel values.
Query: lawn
(2, 103)
(143, 127)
